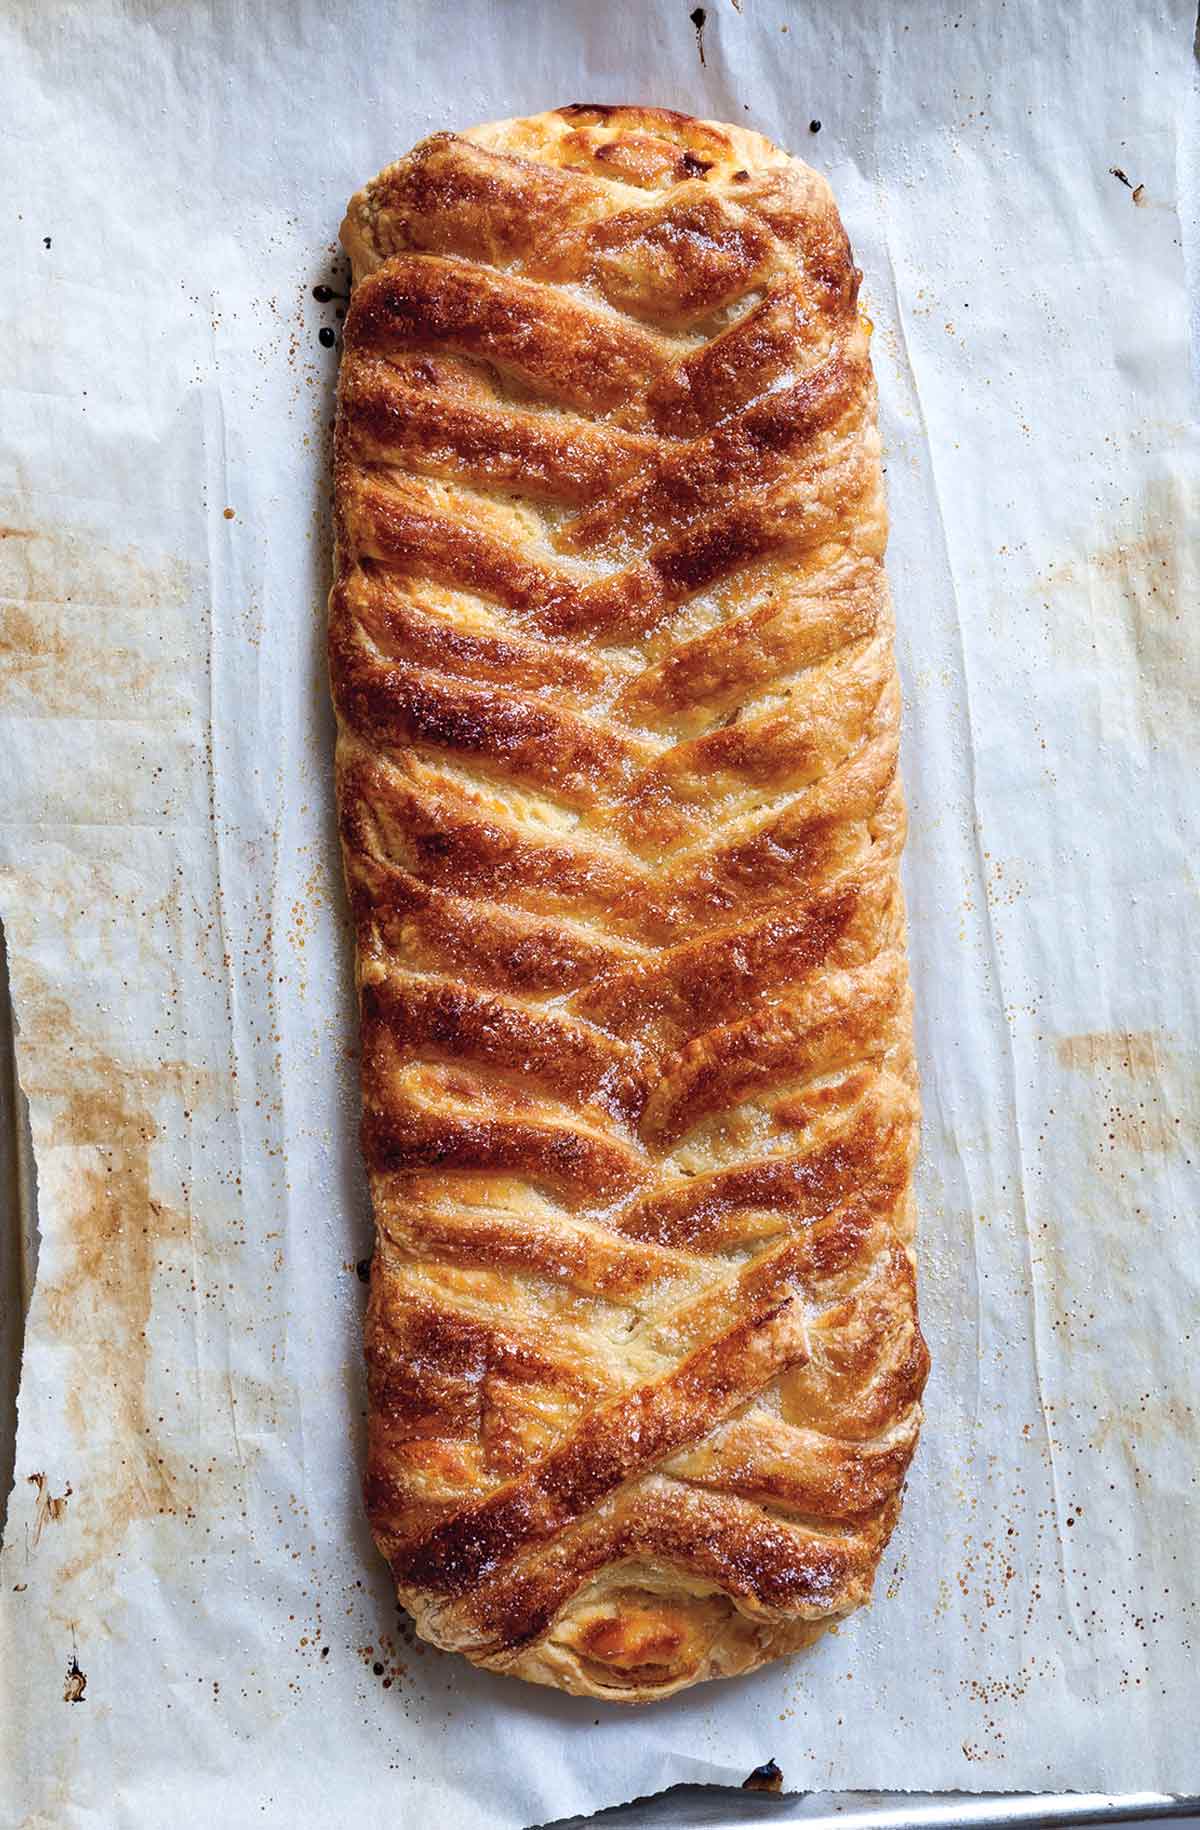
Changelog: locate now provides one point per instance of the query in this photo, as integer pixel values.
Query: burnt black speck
(765, 1778)
(814, 127)
(327, 336)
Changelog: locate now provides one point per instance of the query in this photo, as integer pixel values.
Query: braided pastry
(611, 651)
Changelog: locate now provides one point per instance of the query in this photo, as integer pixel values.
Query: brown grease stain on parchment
(1131, 1051)
(1143, 1103)
(60, 565)
(109, 1227)
(56, 657)
(1128, 600)
(102, 1305)
(1122, 608)
(1070, 1304)
(1138, 1105)
(1131, 1098)
(1152, 1422)
(87, 629)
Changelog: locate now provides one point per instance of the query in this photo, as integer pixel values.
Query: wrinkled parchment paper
(191, 1613)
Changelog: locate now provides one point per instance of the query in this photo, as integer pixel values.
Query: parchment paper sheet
(190, 1562)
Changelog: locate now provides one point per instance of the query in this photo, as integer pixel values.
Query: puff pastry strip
(611, 652)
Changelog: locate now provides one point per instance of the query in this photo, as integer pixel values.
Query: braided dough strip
(611, 652)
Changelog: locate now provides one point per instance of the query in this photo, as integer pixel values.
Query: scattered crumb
(48, 1507)
(765, 1778)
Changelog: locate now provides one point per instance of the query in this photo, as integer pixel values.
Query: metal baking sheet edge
(18, 1233)
(719, 1808)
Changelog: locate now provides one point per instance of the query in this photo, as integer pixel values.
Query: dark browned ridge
(611, 652)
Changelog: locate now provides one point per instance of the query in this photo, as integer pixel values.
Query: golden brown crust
(611, 653)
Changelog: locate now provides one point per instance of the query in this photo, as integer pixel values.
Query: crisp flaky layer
(618, 715)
